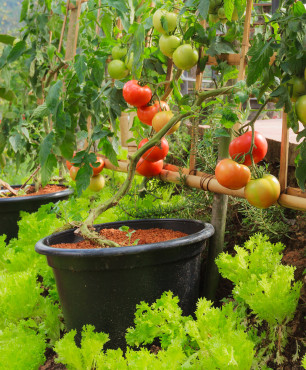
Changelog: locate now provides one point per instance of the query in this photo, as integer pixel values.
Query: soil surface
(48, 189)
(127, 238)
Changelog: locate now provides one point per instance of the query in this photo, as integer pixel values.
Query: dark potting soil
(123, 238)
(48, 189)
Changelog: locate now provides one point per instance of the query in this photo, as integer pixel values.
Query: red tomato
(262, 192)
(149, 169)
(146, 114)
(231, 174)
(156, 153)
(136, 95)
(242, 144)
(97, 170)
(68, 164)
(73, 172)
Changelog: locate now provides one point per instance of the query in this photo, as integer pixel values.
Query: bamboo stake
(245, 40)
(73, 30)
(284, 154)
(208, 182)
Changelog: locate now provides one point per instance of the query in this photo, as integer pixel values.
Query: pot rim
(67, 191)
(42, 246)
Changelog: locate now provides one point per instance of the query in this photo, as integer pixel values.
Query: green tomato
(96, 183)
(300, 109)
(129, 61)
(298, 87)
(164, 21)
(117, 69)
(262, 192)
(185, 57)
(168, 44)
(119, 52)
(221, 13)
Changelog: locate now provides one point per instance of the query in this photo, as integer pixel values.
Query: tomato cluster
(97, 181)
(184, 55)
(217, 12)
(119, 68)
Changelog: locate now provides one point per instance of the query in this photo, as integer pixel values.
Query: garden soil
(48, 189)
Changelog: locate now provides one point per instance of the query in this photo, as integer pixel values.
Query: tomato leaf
(45, 148)
(261, 51)
(53, 96)
(7, 39)
(80, 67)
(47, 169)
(24, 10)
(7, 94)
(228, 8)
(41, 111)
(83, 178)
(203, 8)
(17, 51)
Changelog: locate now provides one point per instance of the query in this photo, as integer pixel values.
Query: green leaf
(7, 39)
(83, 178)
(219, 46)
(203, 8)
(17, 51)
(108, 151)
(41, 111)
(68, 144)
(24, 10)
(45, 148)
(107, 25)
(261, 51)
(7, 94)
(47, 169)
(229, 8)
(298, 8)
(53, 96)
(80, 67)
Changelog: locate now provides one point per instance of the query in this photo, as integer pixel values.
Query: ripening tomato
(242, 144)
(156, 153)
(149, 169)
(262, 192)
(146, 114)
(168, 44)
(97, 170)
(161, 119)
(300, 109)
(297, 87)
(73, 172)
(96, 183)
(231, 174)
(136, 95)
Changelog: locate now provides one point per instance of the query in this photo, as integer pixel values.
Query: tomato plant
(117, 69)
(146, 114)
(161, 119)
(97, 170)
(136, 95)
(242, 144)
(300, 109)
(149, 169)
(155, 153)
(231, 174)
(262, 192)
(96, 183)
(168, 44)
(164, 21)
(185, 57)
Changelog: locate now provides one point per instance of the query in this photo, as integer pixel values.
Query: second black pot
(103, 286)
(10, 208)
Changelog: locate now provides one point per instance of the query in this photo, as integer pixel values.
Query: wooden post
(284, 154)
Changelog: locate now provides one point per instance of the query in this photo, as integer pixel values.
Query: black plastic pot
(10, 208)
(103, 286)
